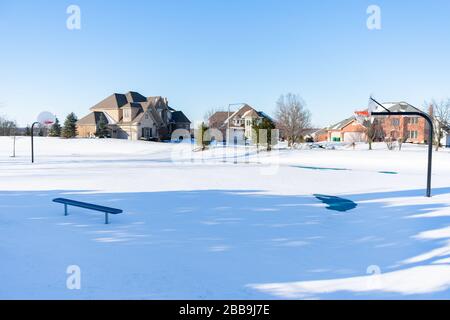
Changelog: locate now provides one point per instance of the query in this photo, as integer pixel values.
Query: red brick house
(408, 129)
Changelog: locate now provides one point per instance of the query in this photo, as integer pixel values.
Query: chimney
(431, 109)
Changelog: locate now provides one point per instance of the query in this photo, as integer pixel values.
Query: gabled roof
(398, 107)
(250, 113)
(218, 119)
(311, 131)
(240, 112)
(114, 101)
(179, 117)
(132, 105)
(342, 124)
(133, 96)
(93, 119)
(265, 115)
(150, 106)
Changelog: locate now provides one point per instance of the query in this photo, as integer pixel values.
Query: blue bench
(73, 203)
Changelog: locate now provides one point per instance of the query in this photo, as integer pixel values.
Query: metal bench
(73, 203)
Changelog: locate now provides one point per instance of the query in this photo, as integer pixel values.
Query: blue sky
(206, 54)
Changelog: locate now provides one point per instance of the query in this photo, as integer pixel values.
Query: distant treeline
(68, 130)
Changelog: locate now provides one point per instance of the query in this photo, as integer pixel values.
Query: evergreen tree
(202, 140)
(263, 127)
(70, 126)
(102, 128)
(55, 129)
(28, 131)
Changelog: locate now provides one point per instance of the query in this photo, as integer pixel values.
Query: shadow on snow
(201, 244)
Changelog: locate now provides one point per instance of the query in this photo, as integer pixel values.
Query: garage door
(354, 137)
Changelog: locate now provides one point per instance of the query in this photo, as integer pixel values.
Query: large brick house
(133, 116)
(408, 129)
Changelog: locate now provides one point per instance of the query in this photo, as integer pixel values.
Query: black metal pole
(32, 141)
(430, 139)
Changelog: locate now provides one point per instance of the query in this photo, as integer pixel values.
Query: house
(310, 135)
(320, 135)
(409, 129)
(133, 116)
(445, 141)
(348, 130)
(238, 124)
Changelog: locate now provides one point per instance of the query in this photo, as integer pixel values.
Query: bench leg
(106, 218)
(65, 210)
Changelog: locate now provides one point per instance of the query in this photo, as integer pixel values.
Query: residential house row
(408, 129)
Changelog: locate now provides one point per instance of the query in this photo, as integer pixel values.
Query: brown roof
(92, 119)
(133, 96)
(218, 119)
(133, 100)
(114, 101)
(242, 110)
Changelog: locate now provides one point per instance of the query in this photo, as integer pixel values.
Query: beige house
(133, 116)
(238, 124)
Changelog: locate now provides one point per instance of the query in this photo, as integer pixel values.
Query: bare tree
(7, 127)
(403, 134)
(372, 129)
(440, 111)
(292, 117)
(394, 135)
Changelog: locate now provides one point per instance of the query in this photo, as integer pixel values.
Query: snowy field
(222, 224)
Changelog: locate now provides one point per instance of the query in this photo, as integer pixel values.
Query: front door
(147, 133)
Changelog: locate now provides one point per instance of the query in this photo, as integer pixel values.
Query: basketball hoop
(363, 116)
(46, 119)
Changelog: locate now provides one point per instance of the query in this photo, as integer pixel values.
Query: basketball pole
(32, 141)
(429, 120)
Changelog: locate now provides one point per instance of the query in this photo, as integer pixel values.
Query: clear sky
(205, 54)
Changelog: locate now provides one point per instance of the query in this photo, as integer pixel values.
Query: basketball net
(363, 116)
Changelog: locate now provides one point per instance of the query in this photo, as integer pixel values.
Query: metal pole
(32, 141)
(14, 146)
(229, 114)
(430, 139)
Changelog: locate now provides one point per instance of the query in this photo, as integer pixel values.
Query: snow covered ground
(222, 224)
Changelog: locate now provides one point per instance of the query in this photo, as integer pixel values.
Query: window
(146, 116)
(126, 113)
(414, 120)
(379, 121)
(413, 134)
(395, 122)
